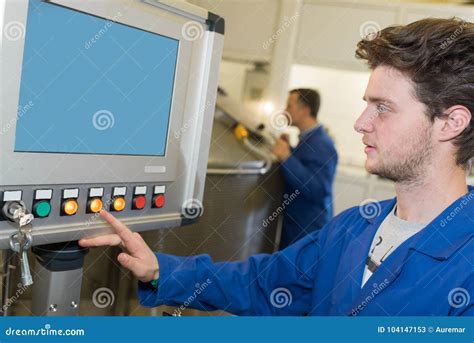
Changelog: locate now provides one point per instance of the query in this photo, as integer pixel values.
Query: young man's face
(396, 131)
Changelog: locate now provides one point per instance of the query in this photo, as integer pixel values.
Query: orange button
(95, 205)
(70, 207)
(118, 204)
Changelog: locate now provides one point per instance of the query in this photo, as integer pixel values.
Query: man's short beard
(410, 169)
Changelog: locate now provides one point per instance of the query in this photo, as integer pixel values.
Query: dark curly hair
(438, 56)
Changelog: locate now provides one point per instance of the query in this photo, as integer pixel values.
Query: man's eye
(381, 108)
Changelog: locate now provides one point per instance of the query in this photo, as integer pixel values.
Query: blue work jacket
(430, 274)
(309, 176)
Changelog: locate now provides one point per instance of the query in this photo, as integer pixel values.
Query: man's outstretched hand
(138, 258)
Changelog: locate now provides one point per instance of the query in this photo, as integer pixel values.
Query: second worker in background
(308, 169)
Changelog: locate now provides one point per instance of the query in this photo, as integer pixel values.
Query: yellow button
(119, 204)
(95, 205)
(70, 207)
(240, 132)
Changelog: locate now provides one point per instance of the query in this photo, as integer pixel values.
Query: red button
(159, 200)
(139, 202)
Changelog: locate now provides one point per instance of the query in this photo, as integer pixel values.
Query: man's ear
(455, 120)
(307, 111)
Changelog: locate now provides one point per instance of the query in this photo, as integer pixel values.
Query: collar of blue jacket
(429, 243)
(307, 132)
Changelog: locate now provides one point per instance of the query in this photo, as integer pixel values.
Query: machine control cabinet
(105, 104)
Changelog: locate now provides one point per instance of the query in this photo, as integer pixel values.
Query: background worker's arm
(263, 285)
(312, 177)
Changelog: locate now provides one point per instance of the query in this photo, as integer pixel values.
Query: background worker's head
(303, 106)
(420, 98)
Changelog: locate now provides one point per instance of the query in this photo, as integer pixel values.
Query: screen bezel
(26, 168)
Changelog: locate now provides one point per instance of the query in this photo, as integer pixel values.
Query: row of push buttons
(70, 205)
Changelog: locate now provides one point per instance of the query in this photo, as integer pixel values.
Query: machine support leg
(58, 279)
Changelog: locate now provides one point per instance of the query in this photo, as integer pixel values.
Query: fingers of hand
(99, 241)
(129, 239)
(281, 143)
(135, 265)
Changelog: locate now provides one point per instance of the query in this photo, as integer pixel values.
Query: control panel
(105, 105)
(68, 203)
(80, 204)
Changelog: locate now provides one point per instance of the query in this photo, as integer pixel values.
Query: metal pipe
(8, 255)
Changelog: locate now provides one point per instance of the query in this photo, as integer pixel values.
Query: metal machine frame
(180, 173)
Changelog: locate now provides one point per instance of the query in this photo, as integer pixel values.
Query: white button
(119, 191)
(43, 194)
(140, 190)
(96, 192)
(159, 190)
(71, 193)
(12, 195)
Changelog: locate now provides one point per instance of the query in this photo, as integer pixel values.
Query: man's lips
(369, 147)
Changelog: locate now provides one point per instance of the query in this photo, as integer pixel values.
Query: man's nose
(365, 122)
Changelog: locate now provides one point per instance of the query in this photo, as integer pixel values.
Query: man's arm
(278, 284)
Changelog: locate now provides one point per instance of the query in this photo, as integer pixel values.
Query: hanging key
(16, 212)
(20, 243)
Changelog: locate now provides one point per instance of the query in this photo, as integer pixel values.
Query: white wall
(341, 103)
(2, 15)
(232, 77)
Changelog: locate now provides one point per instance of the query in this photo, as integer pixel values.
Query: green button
(42, 208)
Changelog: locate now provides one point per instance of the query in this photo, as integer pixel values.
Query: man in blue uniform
(411, 255)
(309, 169)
